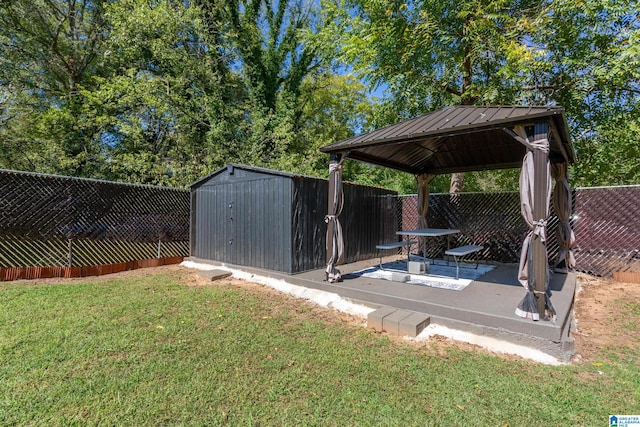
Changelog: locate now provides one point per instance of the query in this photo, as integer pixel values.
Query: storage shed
(263, 218)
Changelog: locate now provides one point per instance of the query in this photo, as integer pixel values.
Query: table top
(428, 232)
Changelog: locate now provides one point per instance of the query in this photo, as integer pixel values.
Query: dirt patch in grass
(608, 319)
(607, 312)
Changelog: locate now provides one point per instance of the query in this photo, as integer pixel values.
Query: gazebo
(473, 138)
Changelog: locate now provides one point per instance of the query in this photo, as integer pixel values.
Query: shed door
(259, 223)
(231, 218)
(214, 227)
(246, 223)
(224, 238)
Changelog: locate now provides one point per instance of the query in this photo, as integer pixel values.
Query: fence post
(70, 254)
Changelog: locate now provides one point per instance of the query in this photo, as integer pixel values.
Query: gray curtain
(334, 240)
(423, 203)
(562, 202)
(537, 226)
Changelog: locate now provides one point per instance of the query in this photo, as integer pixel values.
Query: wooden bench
(394, 245)
(462, 251)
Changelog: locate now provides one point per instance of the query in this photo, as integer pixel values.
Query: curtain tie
(539, 229)
(337, 166)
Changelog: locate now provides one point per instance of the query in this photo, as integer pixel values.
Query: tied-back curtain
(334, 240)
(423, 203)
(537, 226)
(562, 202)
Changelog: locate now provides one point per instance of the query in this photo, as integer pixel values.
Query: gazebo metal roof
(458, 139)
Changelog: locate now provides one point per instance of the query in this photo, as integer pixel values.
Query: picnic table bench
(394, 245)
(462, 251)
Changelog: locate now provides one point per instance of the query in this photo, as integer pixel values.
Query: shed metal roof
(231, 166)
(458, 139)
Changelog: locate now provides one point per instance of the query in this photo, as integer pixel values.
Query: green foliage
(332, 107)
(172, 111)
(581, 55)
(164, 92)
(48, 56)
(273, 43)
(167, 92)
(584, 56)
(610, 156)
(433, 53)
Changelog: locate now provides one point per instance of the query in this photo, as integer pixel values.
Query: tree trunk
(457, 182)
(457, 179)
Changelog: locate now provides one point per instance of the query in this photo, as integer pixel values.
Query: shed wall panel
(276, 221)
(245, 222)
(310, 197)
(369, 218)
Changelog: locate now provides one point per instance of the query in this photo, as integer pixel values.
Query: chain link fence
(606, 222)
(49, 221)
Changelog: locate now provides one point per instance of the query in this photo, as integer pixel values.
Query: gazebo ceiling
(458, 139)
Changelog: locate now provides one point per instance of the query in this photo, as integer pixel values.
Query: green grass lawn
(149, 350)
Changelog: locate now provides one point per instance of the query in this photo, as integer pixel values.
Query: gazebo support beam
(334, 241)
(556, 134)
(539, 256)
(334, 159)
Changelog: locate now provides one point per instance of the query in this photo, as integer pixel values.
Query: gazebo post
(540, 205)
(334, 158)
(334, 243)
(535, 193)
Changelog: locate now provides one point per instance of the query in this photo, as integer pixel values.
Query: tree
(170, 101)
(273, 43)
(581, 55)
(610, 155)
(436, 53)
(585, 57)
(331, 106)
(49, 52)
(155, 92)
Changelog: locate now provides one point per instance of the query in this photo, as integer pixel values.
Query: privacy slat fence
(607, 231)
(61, 226)
(606, 222)
(52, 226)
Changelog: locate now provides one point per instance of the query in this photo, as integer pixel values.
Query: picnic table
(429, 232)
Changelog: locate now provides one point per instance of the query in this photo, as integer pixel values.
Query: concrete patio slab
(486, 307)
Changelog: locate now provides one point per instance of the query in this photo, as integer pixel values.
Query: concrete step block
(214, 274)
(374, 319)
(400, 277)
(398, 322)
(412, 325)
(391, 323)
